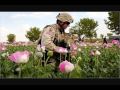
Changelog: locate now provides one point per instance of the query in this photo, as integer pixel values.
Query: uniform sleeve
(47, 38)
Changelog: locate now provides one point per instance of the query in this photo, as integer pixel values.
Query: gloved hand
(61, 50)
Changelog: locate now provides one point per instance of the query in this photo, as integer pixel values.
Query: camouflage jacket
(51, 36)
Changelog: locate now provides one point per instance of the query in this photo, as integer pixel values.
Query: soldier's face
(65, 25)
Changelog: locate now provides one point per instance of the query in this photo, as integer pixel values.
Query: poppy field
(93, 60)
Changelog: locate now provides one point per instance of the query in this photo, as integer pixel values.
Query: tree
(109, 34)
(11, 38)
(33, 34)
(89, 25)
(86, 27)
(76, 30)
(101, 35)
(113, 22)
(95, 34)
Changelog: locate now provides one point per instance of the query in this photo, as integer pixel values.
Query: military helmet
(64, 17)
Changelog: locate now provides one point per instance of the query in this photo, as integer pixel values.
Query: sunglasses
(66, 23)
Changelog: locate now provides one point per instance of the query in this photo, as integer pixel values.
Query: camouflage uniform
(52, 37)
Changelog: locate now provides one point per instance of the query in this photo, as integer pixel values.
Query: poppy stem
(46, 61)
(60, 57)
(65, 56)
(20, 70)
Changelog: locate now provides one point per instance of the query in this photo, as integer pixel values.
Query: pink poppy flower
(19, 57)
(2, 48)
(61, 50)
(66, 67)
(94, 53)
(116, 42)
(73, 47)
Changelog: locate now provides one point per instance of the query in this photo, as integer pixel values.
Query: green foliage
(86, 27)
(33, 34)
(102, 36)
(113, 22)
(105, 65)
(11, 38)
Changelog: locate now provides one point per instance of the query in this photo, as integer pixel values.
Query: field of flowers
(93, 60)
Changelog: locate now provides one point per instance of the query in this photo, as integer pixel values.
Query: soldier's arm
(47, 36)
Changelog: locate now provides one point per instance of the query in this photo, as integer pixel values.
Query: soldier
(104, 40)
(53, 37)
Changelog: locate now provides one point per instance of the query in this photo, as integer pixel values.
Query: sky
(19, 22)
